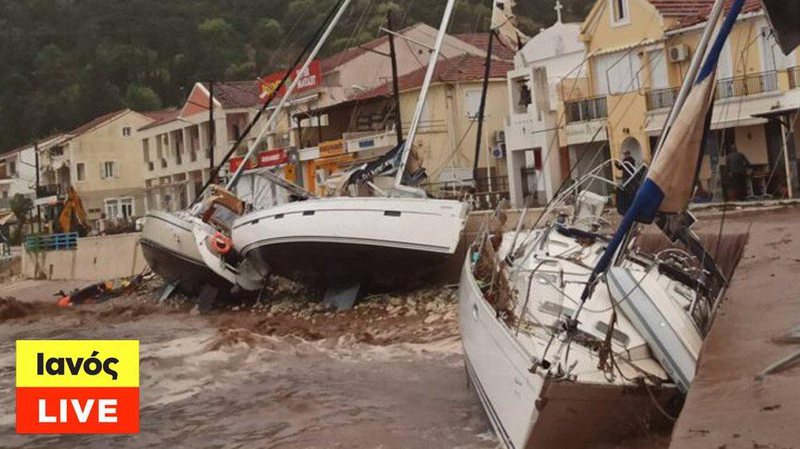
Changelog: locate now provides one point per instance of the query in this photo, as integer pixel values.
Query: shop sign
(309, 79)
(331, 148)
(271, 158)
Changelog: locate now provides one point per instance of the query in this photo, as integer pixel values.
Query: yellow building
(102, 160)
(363, 128)
(639, 51)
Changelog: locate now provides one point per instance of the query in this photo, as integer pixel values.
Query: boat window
(617, 335)
(308, 212)
(555, 310)
(392, 213)
(278, 216)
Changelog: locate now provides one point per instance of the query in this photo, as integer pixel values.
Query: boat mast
(423, 95)
(694, 68)
(276, 113)
(482, 108)
(398, 120)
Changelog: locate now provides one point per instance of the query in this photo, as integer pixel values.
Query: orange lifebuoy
(221, 244)
(65, 301)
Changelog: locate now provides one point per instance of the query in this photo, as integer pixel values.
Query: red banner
(311, 78)
(271, 158)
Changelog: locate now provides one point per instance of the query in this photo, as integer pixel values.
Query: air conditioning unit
(499, 150)
(500, 137)
(678, 53)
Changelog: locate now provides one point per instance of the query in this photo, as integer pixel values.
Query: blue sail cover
(672, 176)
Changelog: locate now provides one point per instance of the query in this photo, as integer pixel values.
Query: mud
(285, 373)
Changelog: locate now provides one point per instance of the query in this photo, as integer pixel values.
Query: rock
(396, 301)
(432, 318)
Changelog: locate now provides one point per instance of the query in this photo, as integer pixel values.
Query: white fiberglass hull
(371, 239)
(529, 409)
(169, 246)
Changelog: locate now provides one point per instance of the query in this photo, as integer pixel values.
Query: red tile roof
(160, 117)
(681, 8)
(481, 41)
(347, 55)
(96, 122)
(750, 6)
(236, 94)
(462, 68)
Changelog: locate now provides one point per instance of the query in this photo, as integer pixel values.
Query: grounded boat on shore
(571, 335)
(382, 242)
(177, 246)
(168, 245)
(346, 242)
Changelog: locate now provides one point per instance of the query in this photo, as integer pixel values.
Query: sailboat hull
(533, 411)
(169, 247)
(383, 242)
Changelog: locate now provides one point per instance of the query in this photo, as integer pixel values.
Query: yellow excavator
(70, 215)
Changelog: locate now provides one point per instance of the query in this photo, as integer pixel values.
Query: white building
(18, 170)
(531, 134)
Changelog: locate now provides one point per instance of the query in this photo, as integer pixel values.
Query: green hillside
(67, 61)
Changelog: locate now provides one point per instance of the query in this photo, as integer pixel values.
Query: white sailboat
(570, 337)
(177, 245)
(346, 240)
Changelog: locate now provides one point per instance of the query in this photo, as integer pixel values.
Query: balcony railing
(794, 78)
(743, 86)
(587, 109)
(661, 98)
(486, 193)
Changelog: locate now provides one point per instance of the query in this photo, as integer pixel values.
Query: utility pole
(212, 128)
(36, 194)
(482, 107)
(398, 121)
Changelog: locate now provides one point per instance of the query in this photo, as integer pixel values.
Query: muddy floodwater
(390, 373)
(258, 379)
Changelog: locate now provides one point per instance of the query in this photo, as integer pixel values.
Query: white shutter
(115, 166)
(472, 102)
(102, 170)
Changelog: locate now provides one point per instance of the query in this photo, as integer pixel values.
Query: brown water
(207, 384)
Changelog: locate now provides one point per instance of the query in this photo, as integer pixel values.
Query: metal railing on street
(52, 242)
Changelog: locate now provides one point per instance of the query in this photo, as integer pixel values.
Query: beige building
(102, 161)
(176, 148)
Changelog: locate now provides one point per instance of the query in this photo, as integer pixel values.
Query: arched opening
(632, 146)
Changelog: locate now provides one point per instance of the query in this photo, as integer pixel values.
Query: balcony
(661, 98)
(747, 85)
(586, 110)
(794, 78)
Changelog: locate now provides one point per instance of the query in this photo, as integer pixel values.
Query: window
(12, 168)
(472, 103)
(122, 208)
(771, 53)
(659, 78)
(126, 131)
(616, 73)
(81, 171)
(619, 12)
(109, 169)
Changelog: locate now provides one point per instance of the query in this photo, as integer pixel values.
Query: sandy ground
(726, 408)
(291, 374)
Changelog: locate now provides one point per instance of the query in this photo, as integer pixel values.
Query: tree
(142, 98)
(21, 206)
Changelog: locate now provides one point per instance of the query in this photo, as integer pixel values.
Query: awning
(626, 47)
(732, 113)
